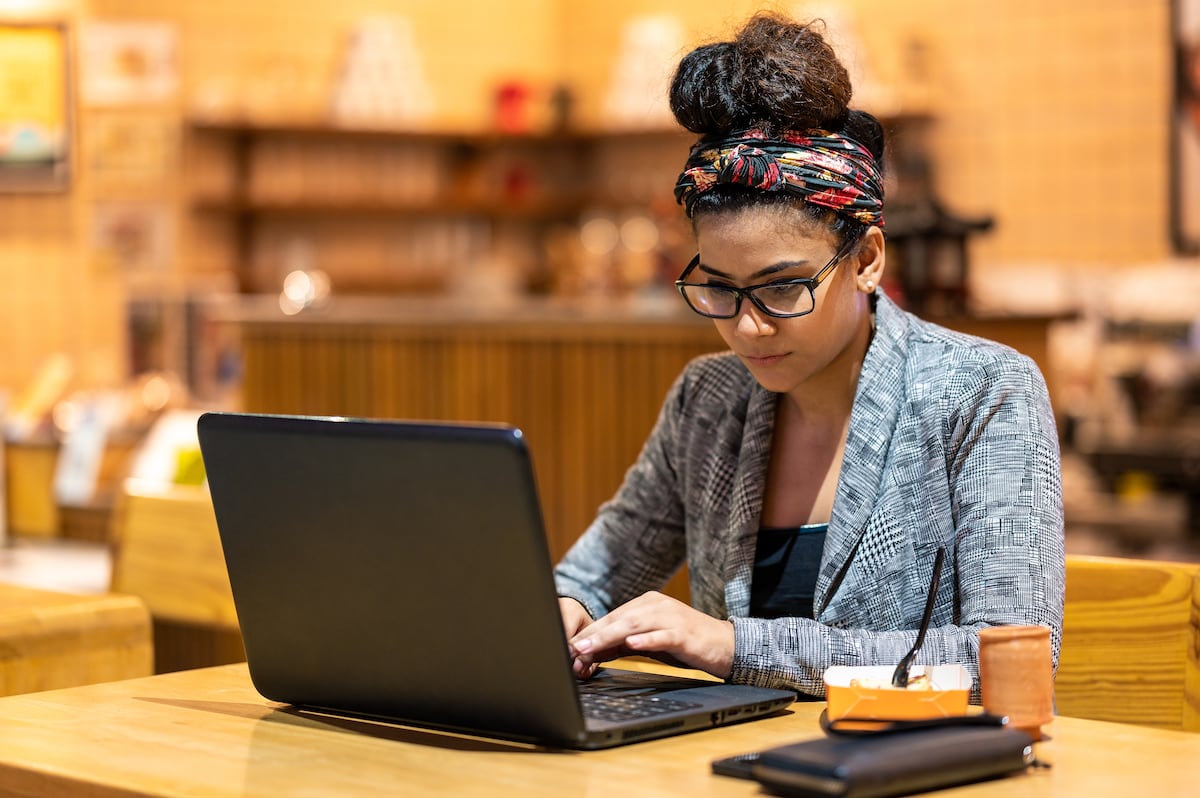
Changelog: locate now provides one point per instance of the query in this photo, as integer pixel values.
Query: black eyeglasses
(783, 299)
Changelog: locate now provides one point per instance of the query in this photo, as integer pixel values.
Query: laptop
(399, 570)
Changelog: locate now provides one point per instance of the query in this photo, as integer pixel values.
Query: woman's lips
(764, 360)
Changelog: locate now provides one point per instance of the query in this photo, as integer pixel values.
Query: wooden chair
(167, 552)
(50, 640)
(1131, 642)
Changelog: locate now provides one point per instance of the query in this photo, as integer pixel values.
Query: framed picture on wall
(35, 107)
(1185, 128)
(127, 63)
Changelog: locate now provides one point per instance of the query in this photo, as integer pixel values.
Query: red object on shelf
(512, 107)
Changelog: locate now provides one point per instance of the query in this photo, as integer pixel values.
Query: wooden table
(208, 733)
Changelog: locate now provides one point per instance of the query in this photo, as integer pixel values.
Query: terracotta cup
(1016, 675)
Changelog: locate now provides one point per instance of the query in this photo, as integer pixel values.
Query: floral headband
(822, 168)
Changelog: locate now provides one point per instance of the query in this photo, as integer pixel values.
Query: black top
(786, 562)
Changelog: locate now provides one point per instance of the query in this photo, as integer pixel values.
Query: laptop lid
(400, 570)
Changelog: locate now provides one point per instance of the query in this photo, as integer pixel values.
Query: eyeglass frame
(811, 283)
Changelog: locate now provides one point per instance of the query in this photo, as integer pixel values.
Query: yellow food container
(866, 692)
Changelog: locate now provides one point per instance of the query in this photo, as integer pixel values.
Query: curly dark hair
(776, 75)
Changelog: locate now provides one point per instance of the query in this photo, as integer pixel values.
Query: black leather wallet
(886, 764)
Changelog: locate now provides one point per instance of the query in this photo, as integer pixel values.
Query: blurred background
(402, 208)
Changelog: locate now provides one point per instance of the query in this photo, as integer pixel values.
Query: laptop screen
(397, 569)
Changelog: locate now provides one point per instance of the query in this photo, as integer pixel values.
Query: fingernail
(583, 646)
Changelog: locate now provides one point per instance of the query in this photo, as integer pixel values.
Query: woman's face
(761, 245)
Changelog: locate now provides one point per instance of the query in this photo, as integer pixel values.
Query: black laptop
(399, 570)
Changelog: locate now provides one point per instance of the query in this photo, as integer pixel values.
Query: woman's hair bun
(776, 74)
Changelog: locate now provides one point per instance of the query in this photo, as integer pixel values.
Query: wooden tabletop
(208, 733)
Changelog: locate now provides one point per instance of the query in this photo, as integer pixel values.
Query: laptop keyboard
(606, 706)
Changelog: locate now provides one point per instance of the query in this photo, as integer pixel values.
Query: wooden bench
(1131, 642)
(167, 552)
(50, 640)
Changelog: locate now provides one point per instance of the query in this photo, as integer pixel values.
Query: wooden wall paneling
(396, 368)
(573, 445)
(284, 387)
(464, 382)
(383, 380)
(540, 364)
(585, 396)
(355, 374)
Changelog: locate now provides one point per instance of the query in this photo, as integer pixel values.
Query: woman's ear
(870, 260)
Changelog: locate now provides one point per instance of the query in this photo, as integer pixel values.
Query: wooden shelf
(516, 209)
(479, 138)
(381, 204)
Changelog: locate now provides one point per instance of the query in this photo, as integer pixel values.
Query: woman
(809, 476)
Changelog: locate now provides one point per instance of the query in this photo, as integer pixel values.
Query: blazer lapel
(746, 500)
(877, 404)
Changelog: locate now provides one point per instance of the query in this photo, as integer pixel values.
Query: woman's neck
(827, 397)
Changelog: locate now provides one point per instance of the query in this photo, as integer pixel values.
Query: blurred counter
(656, 308)
(583, 379)
(654, 314)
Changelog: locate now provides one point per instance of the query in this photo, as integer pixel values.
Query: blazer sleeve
(999, 457)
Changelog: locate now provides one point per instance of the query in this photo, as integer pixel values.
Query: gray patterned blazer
(952, 442)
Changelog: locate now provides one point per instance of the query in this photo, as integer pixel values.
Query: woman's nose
(752, 322)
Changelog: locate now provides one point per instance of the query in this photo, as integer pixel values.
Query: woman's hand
(653, 624)
(574, 616)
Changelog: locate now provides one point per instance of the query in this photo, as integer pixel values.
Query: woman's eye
(782, 289)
